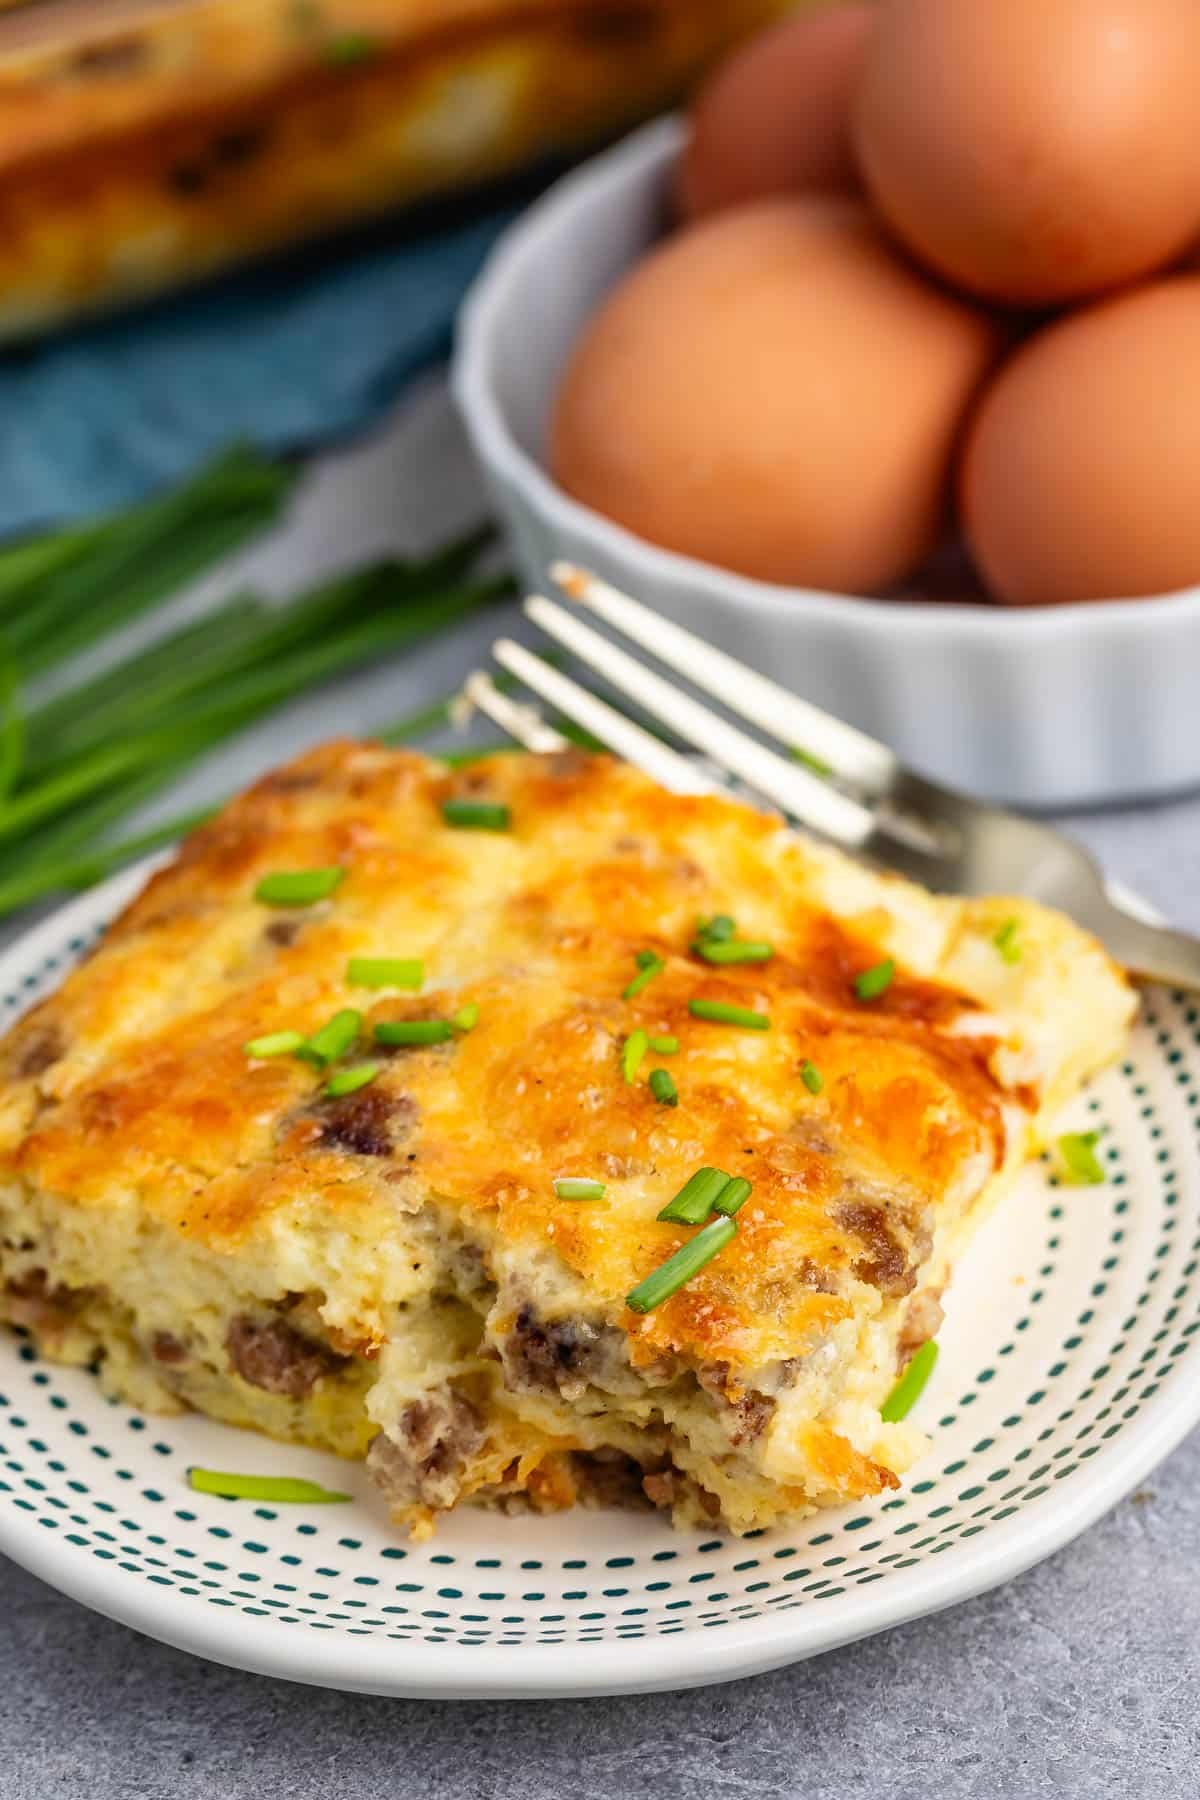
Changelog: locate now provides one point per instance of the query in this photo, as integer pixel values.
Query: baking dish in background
(146, 143)
(1061, 706)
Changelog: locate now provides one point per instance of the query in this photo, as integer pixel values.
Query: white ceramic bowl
(1061, 706)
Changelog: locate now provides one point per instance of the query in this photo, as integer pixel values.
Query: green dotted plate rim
(621, 1657)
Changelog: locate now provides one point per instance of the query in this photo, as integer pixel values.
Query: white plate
(1039, 706)
(1070, 1365)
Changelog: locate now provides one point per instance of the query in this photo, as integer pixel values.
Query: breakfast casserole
(359, 1126)
(145, 143)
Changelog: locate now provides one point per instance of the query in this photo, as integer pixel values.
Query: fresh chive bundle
(717, 941)
(335, 1036)
(694, 1201)
(74, 765)
(911, 1385)
(733, 1196)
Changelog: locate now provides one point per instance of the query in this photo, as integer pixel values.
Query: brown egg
(775, 118)
(1035, 151)
(775, 391)
(1079, 479)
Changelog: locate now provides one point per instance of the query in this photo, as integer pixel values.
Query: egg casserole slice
(354, 1130)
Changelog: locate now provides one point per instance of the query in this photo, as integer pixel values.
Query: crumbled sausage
(885, 1263)
(30, 1300)
(368, 1123)
(922, 1320)
(563, 1355)
(270, 1355)
(37, 1049)
(747, 1412)
(165, 1347)
(422, 1458)
(283, 932)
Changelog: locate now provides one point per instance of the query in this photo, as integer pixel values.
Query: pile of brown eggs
(932, 270)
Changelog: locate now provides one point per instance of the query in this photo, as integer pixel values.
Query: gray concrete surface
(1078, 1681)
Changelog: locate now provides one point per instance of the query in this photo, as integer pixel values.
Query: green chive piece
(664, 1046)
(733, 950)
(717, 930)
(298, 887)
(733, 1196)
(717, 1013)
(876, 980)
(275, 1043)
(1082, 1167)
(348, 1081)
(385, 971)
(476, 815)
(467, 1017)
(282, 1488)
(1006, 943)
(815, 764)
(632, 1053)
(335, 1037)
(414, 1031)
(694, 1201)
(649, 965)
(680, 1267)
(663, 1088)
(811, 1076)
(570, 1189)
(911, 1385)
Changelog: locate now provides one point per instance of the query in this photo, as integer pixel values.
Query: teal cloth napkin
(287, 357)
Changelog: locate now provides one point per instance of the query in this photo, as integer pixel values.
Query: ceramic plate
(1070, 1364)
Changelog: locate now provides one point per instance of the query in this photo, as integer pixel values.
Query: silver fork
(837, 782)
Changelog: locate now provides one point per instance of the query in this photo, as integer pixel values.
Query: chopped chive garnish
(663, 1088)
(476, 815)
(733, 950)
(694, 1201)
(385, 971)
(911, 1385)
(679, 1268)
(285, 1489)
(335, 1037)
(717, 930)
(570, 1189)
(632, 1052)
(733, 1196)
(876, 980)
(811, 1076)
(414, 1031)
(350, 48)
(816, 764)
(1006, 943)
(1081, 1166)
(467, 1017)
(276, 1043)
(718, 1013)
(348, 1081)
(298, 887)
(649, 965)
(664, 1046)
